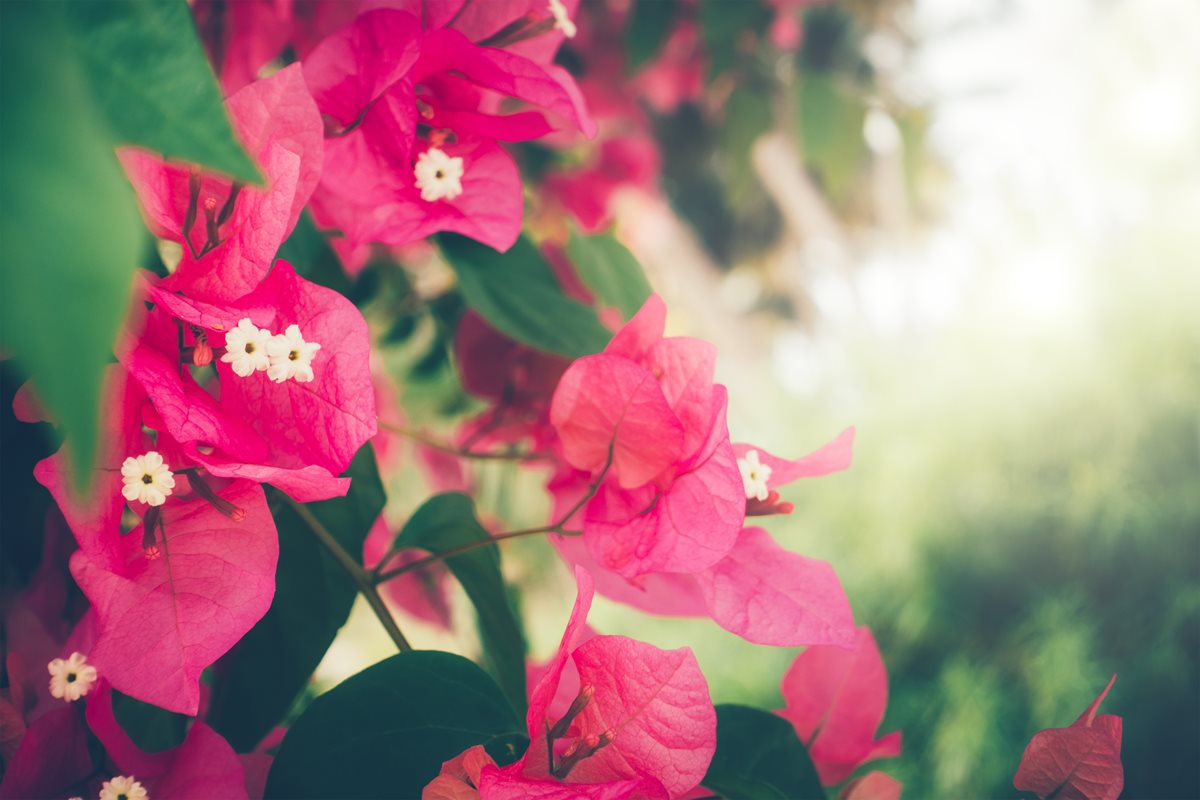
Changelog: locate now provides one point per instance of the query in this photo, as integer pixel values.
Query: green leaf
(307, 250)
(260, 678)
(831, 123)
(759, 757)
(150, 77)
(648, 30)
(725, 24)
(446, 521)
(68, 220)
(610, 271)
(386, 731)
(151, 728)
(517, 293)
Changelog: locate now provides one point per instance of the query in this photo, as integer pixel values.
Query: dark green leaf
(610, 271)
(150, 78)
(151, 728)
(724, 25)
(759, 758)
(648, 29)
(309, 253)
(447, 521)
(518, 294)
(259, 679)
(386, 731)
(68, 222)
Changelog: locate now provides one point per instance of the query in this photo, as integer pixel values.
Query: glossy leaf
(759, 758)
(179, 112)
(447, 521)
(313, 598)
(610, 271)
(518, 294)
(648, 29)
(386, 731)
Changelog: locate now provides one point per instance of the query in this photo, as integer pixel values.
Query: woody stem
(357, 574)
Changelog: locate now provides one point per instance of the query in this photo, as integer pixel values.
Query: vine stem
(417, 436)
(360, 577)
(556, 527)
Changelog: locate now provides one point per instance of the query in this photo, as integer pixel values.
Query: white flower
(123, 787)
(754, 476)
(246, 348)
(72, 678)
(562, 19)
(291, 356)
(147, 479)
(439, 176)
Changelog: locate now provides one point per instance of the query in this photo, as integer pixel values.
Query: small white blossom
(123, 787)
(291, 356)
(71, 678)
(246, 348)
(754, 476)
(147, 479)
(439, 176)
(562, 19)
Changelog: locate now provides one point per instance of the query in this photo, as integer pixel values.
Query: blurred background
(971, 230)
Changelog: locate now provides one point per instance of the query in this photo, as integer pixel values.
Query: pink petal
(323, 422)
(687, 528)
(53, 757)
(542, 695)
(832, 457)
(352, 68)
(663, 593)
(547, 86)
(163, 621)
(95, 520)
(874, 785)
(202, 766)
(657, 703)
(686, 368)
(836, 698)
(642, 333)
(489, 209)
(609, 404)
(280, 112)
(509, 784)
(768, 595)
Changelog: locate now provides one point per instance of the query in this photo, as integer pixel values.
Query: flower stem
(357, 574)
(417, 436)
(380, 576)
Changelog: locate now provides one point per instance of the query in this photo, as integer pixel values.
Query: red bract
(642, 725)
(230, 232)
(380, 81)
(295, 435)
(835, 698)
(872, 786)
(647, 412)
(163, 620)
(1082, 762)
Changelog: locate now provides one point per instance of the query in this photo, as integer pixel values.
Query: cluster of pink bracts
(234, 372)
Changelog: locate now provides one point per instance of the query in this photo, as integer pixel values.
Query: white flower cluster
(250, 349)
